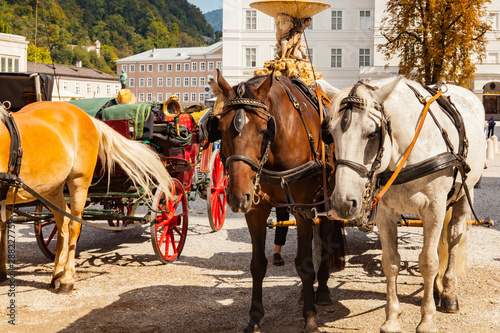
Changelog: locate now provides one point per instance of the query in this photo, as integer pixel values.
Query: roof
(70, 71)
(172, 54)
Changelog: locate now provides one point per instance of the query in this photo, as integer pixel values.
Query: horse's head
(361, 133)
(246, 129)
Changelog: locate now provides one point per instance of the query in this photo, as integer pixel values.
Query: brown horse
(61, 144)
(262, 134)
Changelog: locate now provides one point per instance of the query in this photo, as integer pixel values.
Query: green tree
(436, 40)
(4, 27)
(39, 54)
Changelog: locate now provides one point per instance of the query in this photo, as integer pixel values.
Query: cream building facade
(13, 53)
(342, 42)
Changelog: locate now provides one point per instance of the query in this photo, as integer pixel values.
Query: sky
(207, 5)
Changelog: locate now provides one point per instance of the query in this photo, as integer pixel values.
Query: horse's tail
(461, 257)
(137, 160)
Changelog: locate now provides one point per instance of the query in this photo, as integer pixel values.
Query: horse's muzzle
(347, 208)
(239, 203)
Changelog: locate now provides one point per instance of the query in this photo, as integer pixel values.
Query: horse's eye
(372, 135)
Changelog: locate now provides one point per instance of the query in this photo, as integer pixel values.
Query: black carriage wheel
(169, 223)
(216, 193)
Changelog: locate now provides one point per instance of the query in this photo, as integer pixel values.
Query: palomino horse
(373, 128)
(264, 135)
(60, 145)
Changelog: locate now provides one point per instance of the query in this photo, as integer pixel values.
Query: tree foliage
(123, 27)
(436, 40)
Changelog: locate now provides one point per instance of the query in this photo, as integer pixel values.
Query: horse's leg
(428, 262)
(78, 189)
(391, 263)
(3, 251)
(332, 256)
(457, 255)
(443, 258)
(62, 223)
(305, 268)
(256, 222)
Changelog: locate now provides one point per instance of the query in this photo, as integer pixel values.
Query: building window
(89, 88)
(149, 82)
(108, 89)
(194, 81)
(202, 97)
(177, 67)
(251, 19)
(202, 66)
(169, 67)
(337, 20)
(131, 82)
(250, 57)
(219, 65)
(141, 68)
(117, 89)
(160, 82)
(159, 97)
(168, 82)
(336, 58)
(193, 97)
(185, 97)
(310, 26)
(186, 67)
(124, 68)
(365, 22)
(149, 97)
(210, 65)
(98, 88)
(141, 97)
(77, 88)
(160, 67)
(150, 68)
(194, 66)
(186, 82)
(65, 85)
(167, 96)
(132, 68)
(202, 81)
(178, 95)
(177, 81)
(364, 57)
(141, 82)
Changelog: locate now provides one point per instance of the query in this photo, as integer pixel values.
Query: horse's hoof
(252, 328)
(449, 305)
(3, 277)
(323, 298)
(65, 289)
(54, 283)
(390, 327)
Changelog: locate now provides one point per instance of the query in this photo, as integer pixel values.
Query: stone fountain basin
(275, 7)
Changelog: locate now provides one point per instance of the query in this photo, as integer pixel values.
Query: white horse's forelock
(362, 93)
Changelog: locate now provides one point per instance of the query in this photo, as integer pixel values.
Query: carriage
(195, 168)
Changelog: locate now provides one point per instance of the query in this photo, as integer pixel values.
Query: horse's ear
(382, 93)
(223, 85)
(265, 86)
(327, 88)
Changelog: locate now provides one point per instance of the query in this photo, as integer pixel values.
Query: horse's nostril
(248, 197)
(354, 203)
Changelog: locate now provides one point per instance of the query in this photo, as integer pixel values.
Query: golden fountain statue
(292, 17)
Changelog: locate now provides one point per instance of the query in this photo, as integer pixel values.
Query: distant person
(29, 95)
(491, 127)
(280, 236)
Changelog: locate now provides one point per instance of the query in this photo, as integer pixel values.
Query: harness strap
(16, 153)
(408, 151)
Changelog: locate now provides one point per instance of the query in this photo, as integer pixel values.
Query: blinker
(239, 120)
(271, 129)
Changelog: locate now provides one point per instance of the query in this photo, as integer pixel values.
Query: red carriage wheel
(169, 223)
(216, 195)
(46, 236)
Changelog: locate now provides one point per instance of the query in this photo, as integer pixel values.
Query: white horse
(363, 118)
